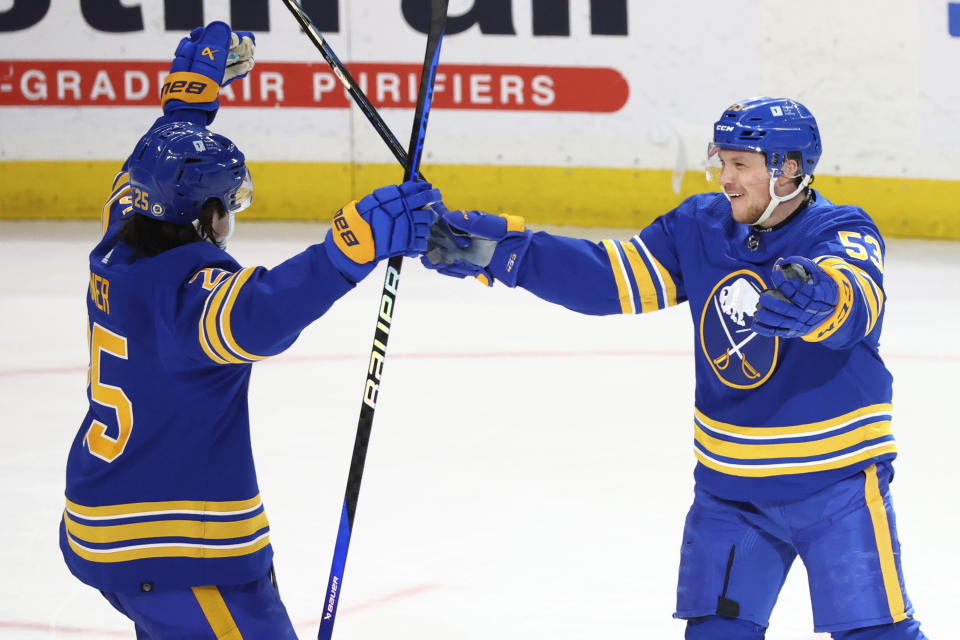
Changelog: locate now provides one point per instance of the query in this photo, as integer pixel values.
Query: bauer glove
(391, 221)
(472, 243)
(804, 297)
(210, 57)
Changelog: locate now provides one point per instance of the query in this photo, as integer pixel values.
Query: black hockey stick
(351, 85)
(411, 161)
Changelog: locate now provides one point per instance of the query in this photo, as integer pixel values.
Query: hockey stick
(350, 84)
(411, 162)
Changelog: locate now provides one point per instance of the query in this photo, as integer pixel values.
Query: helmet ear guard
(177, 167)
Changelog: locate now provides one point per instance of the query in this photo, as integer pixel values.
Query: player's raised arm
(609, 277)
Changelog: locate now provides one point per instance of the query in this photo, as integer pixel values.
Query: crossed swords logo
(723, 361)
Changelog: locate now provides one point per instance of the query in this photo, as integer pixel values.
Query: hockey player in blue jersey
(793, 402)
(163, 514)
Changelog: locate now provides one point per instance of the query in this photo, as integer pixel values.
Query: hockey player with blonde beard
(793, 403)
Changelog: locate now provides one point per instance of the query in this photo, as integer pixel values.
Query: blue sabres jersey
(774, 418)
(161, 490)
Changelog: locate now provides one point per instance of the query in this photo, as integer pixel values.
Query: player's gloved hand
(803, 297)
(473, 243)
(391, 221)
(240, 59)
(210, 57)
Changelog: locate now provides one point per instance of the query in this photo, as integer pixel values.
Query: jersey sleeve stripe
(668, 288)
(620, 277)
(204, 325)
(645, 296)
(116, 195)
(225, 316)
(871, 295)
(209, 322)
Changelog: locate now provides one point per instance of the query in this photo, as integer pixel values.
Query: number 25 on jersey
(100, 444)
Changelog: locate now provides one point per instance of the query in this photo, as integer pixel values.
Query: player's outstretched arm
(602, 278)
(252, 313)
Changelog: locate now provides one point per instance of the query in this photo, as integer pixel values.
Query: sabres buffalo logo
(740, 357)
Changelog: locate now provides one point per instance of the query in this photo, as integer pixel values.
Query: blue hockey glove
(472, 243)
(391, 221)
(210, 57)
(804, 297)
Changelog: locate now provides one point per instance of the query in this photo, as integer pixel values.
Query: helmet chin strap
(775, 200)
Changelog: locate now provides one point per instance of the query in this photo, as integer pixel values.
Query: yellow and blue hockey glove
(391, 221)
(210, 57)
(472, 243)
(803, 297)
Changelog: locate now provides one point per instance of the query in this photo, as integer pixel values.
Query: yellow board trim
(881, 529)
(581, 196)
(218, 615)
(210, 530)
(150, 508)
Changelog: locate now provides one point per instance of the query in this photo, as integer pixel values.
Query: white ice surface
(529, 467)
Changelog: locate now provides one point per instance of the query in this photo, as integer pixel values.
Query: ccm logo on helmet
(724, 127)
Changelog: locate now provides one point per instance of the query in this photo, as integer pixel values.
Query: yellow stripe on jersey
(821, 446)
(668, 286)
(225, 321)
(188, 519)
(168, 550)
(872, 294)
(217, 614)
(648, 292)
(203, 325)
(652, 285)
(794, 431)
(844, 305)
(780, 469)
(137, 509)
(786, 458)
(117, 195)
(881, 530)
(209, 529)
(217, 315)
(620, 277)
(210, 321)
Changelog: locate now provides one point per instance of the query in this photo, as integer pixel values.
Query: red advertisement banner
(85, 83)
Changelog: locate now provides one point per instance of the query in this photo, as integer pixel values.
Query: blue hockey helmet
(772, 126)
(177, 167)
